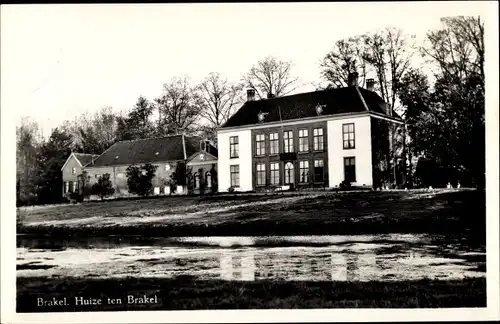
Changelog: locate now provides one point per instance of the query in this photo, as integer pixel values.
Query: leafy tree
(50, 159)
(271, 77)
(84, 187)
(28, 140)
(104, 187)
(213, 176)
(96, 133)
(178, 108)
(138, 123)
(139, 179)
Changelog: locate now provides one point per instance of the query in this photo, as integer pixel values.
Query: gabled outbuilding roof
(82, 159)
(150, 150)
(350, 99)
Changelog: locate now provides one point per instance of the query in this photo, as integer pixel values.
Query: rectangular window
(303, 140)
(304, 171)
(288, 141)
(275, 173)
(261, 174)
(233, 147)
(235, 175)
(274, 143)
(66, 187)
(260, 144)
(318, 170)
(350, 169)
(73, 170)
(348, 135)
(318, 139)
(75, 187)
(197, 181)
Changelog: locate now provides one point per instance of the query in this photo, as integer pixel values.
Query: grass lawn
(185, 293)
(455, 212)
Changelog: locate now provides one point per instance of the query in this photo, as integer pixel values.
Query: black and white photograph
(249, 161)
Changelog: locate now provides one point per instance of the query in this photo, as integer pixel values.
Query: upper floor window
(348, 135)
(260, 144)
(288, 141)
(73, 170)
(233, 147)
(274, 146)
(303, 140)
(318, 139)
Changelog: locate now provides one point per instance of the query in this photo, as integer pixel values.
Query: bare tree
(217, 99)
(178, 107)
(271, 77)
(345, 57)
(458, 48)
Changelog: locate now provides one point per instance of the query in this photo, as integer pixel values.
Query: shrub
(213, 177)
(230, 190)
(345, 185)
(139, 179)
(104, 187)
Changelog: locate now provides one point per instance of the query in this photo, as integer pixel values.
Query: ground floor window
(275, 173)
(304, 171)
(235, 175)
(350, 169)
(66, 187)
(196, 180)
(75, 188)
(261, 174)
(318, 170)
(289, 173)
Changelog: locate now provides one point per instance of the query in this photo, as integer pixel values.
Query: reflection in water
(355, 260)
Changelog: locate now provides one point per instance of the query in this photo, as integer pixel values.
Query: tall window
(260, 144)
(261, 174)
(289, 173)
(303, 140)
(233, 146)
(208, 179)
(235, 175)
(196, 180)
(274, 146)
(288, 141)
(75, 187)
(73, 170)
(318, 139)
(275, 173)
(318, 170)
(304, 171)
(66, 187)
(348, 135)
(350, 169)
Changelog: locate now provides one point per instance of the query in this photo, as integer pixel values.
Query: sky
(59, 61)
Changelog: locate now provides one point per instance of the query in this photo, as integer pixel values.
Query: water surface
(310, 258)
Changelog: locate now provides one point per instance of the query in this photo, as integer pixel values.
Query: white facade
(362, 151)
(244, 160)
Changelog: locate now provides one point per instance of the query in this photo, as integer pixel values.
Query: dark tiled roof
(170, 148)
(336, 101)
(85, 158)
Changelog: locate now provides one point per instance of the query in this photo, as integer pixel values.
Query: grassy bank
(442, 212)
(189, 294)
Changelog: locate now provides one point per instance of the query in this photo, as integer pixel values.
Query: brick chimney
(370, 84)
(352, 79)
(250, 95)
